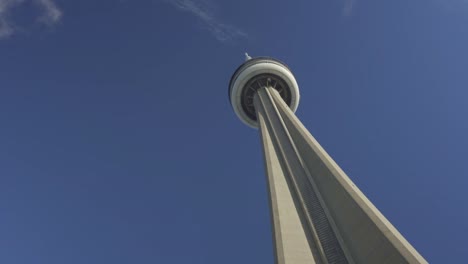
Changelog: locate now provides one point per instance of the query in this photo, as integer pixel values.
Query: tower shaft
(318, 214)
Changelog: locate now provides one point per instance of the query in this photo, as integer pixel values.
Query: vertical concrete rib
(319, 215)
(321, 237)
(291, 244)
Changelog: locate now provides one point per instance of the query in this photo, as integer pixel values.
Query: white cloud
(202, 10)
(50, 14)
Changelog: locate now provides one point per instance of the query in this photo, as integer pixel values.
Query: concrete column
(318, 214)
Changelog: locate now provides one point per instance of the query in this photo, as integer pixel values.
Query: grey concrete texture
(290, 238)
(318, 213)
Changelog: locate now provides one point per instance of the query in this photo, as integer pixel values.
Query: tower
(318, 214)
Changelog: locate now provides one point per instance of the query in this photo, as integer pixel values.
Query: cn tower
(318, 214)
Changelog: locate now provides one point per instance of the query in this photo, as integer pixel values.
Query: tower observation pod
(318, 214)
(255, 74)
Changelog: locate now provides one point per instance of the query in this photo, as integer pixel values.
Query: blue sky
(118, 143)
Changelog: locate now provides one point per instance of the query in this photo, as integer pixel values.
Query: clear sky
(118, 143)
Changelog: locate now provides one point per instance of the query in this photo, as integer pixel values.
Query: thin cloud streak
(6, 28)
(50, 14)
(348, 7)
(200, 9)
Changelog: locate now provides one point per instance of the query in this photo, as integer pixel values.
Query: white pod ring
(255, 74)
